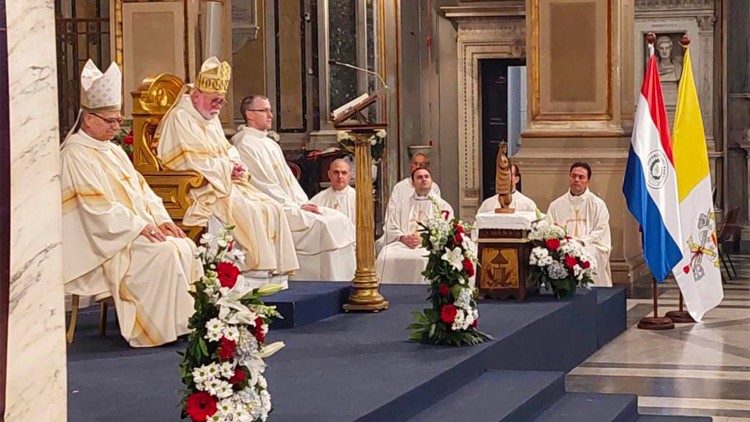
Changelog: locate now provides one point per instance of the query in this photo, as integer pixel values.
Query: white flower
(454, 257)
(557, 270)
(540, 257)
(464, 299)
(215, 328)
(226, 408)
(226, 369)
(471, 248)
(381, 133)
(223, 389)
(201, 375)
(231, 333)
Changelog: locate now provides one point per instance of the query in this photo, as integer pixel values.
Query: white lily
(454, 257)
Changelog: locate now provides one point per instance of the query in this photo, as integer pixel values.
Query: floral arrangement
(222, 368)
(377, 143)
(125, 138)
(453, 318)
(558, 262)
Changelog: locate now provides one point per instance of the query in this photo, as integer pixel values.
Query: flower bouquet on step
(222, 368)
(558, 262)
(453, 317)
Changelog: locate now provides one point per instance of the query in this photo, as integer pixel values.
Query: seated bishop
(323, 237)
(192, 138)
(339, 196)
(118, 239)
(403, 259)
(520, 202)
(586, 218)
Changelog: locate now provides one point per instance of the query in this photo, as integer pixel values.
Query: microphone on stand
(361, 69)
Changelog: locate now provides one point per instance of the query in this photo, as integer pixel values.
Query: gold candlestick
(365, 296)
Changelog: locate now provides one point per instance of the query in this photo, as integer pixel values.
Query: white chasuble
(314, 234)
(106, 204)
(520, 202)
(344, 200)
(396, 262)
(190, 142)
(585, 217)
(401, 192)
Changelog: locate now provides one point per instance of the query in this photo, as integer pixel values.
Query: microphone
(361, 69)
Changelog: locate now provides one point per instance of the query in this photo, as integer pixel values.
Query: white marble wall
(36, 377)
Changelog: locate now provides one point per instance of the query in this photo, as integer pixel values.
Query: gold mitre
(101, 91)
(214, 76)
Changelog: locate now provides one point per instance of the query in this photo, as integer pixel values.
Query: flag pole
(655, 322)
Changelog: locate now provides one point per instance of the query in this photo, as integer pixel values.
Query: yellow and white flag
(698, 273)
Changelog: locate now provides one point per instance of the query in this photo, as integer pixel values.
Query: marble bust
(670, 70)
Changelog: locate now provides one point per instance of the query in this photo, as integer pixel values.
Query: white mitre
(101, 91)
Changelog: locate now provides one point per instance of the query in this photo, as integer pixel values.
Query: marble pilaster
(36, 365)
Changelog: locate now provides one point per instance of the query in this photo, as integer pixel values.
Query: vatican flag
(698, 273)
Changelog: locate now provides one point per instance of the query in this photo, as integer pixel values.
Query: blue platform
(342, 367)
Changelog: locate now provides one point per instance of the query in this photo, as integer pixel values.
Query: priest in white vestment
(339, 196)
(118, 239)
(586, 218)
(403, 259)
(404, 189)
(191, 138)
(323, 237)
(519, 201)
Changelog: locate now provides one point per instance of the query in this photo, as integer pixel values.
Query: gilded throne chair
(151, 101)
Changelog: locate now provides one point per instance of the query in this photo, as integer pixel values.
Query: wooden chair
(151, 101)
(104, 301)
(729, 229)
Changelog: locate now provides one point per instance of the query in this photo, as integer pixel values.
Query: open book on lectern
(352, 116)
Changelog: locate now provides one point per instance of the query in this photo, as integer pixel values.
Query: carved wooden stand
(504, 257)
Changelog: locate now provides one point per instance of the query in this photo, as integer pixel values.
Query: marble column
(36, 366)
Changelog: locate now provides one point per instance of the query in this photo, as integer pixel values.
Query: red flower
(468, 267)
(570, 261)
(227, 273)
(475, 324)
(227, 349)
(553, 244)
(459, 229)
(238, 377)
(444, 290)
(445, 213)
(458, 238)
(128, 139)
(200, 406)
(258, 333)
(448, 313)
(585, 264)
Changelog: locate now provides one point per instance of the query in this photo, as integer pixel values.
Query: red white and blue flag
(650, 185)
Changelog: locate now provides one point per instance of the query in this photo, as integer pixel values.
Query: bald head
(339, 174)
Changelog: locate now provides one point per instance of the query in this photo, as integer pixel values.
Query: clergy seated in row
(118, 239)
(404, 189)
(339, 196)
(191, 138)
(323, 237)
(585, 217)
(520, 202)
(403, 259)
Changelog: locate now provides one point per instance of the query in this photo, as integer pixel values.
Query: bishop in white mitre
(118, 239)
(403, 259)
(404, 189)
(339, 196)
(323, 237)
(192, 138)
(586, 218)
(519, 201)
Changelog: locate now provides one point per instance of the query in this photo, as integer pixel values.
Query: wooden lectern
(350, 117)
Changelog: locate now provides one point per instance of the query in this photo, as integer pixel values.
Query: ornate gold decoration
(366, 295)
(153, 99)
(499, 268)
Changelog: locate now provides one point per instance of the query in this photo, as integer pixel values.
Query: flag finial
(684, 41)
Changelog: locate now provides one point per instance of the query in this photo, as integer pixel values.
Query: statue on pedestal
(504, 185)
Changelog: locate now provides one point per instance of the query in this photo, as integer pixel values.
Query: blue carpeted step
(586, 407)
(498, 395)
(661, 418)
(306, 302)
(612, 317)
